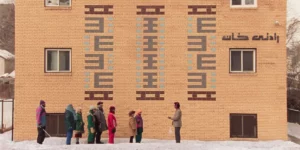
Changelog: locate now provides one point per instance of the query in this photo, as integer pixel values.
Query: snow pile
(122, 144)
(294, 130)
(7, 1)
(5, 54)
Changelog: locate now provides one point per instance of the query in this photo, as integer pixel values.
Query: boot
(77, 142)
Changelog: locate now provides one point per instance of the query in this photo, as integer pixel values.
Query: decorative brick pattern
(153, 39)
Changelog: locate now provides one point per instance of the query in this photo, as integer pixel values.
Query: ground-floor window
(243, 126)
(56, 124)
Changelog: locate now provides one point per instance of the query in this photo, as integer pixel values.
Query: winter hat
(139, 111)
(92, 107)
(78, 109)
(42, 102)
(99, 103)
(131, 113)
(112, 108)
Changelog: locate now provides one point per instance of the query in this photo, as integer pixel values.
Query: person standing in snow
(70, 122)
(132, 126)
(176, 121)
(79, 125)
(139, 125)
(91, 125)
(41, 122)
(100, 124)
(112, 124)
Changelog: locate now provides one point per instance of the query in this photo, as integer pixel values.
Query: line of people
(96, 123)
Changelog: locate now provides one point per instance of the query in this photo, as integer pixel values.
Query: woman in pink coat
(112, 124)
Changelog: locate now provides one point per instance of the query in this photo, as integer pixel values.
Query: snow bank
(148, 144)
(7, 1)
(294, 130)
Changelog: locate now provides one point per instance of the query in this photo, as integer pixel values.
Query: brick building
(223, 60)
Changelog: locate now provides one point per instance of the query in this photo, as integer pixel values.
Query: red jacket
(112, 122)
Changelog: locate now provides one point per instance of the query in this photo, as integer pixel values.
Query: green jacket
(79, 123)
(91, 121)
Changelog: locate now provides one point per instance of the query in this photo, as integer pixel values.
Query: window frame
(242, 64)
(45, 3)
(242, 117)
(58, 49)
(243, 5)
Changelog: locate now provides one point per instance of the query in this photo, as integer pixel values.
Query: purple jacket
(41, 116)
(139, 121)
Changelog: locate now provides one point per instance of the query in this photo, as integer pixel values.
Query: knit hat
(78, 109)
(92, 107)
(139, 111)
(111, 108)
(99, 103)
(42, 102)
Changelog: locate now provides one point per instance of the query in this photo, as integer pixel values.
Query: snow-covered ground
(122, 144)
(294, 130)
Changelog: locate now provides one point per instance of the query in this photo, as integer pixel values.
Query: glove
(113, 130)
(92, 130)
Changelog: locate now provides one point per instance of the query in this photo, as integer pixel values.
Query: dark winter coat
(100, 120)
(70, 115)
(79, 123)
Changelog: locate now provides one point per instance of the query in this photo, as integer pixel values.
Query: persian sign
(254, 38)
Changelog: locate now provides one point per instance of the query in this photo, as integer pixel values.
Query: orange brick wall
(262, 93)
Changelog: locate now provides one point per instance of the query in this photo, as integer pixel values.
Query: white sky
(293, 9)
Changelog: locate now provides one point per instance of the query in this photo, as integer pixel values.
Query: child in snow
(91, 125)
(79, 125)
(139, 122)
(70, 122)
(132, 126)
(112, 124)
(41, 122)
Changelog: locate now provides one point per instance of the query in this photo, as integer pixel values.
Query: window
(243, 3)
(243, 126)
(242, 60)
(56, 124)
(58, 60)
(66, 3)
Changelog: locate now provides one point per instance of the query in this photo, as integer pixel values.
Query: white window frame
(244, 5)
(58, 50)
(242, 65)
(57, 5)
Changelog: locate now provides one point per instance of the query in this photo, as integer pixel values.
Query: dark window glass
(236, 61)
(249, 126)
(235, 126)
(243, 125)
(248, 61)
(64, 60)
(51, 60)
(236, 2)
